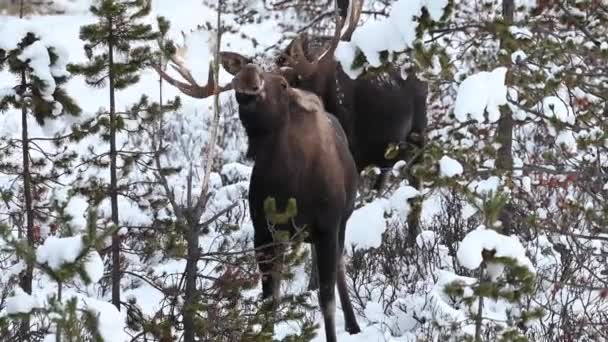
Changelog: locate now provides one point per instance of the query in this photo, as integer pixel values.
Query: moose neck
(262, 132)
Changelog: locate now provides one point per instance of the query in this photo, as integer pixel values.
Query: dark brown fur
(373, 110)
(299, 151)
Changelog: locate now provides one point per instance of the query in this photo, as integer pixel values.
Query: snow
(40, 62)
(480, 92)
(392, 34)
(555, 107)
(486, 186)
(365, 226)
(425, 301)
(21, 302)
(6, 91)
(426, 239)
(94, 267)
(111, 323)
(403, 13)
(55, 252)
(398, 202)
(518, 57)
(235, 172)
(520, 32)
(345, 54)
(528, 4)
(371, 48)
(567, 140)
(449, 167)
(475, 242)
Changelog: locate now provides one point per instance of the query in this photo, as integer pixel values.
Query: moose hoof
(353, 329)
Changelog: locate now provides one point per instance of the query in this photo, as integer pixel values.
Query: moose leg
(313, 282)
(326, 247)
(350, 319)
(266, 257)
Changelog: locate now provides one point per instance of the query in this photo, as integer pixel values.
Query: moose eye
(284, 84)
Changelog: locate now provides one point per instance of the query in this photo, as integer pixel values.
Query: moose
(375, 109)
(299, 151)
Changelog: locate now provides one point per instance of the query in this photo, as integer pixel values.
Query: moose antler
(352, 18)
(296, 57)
(191, 88)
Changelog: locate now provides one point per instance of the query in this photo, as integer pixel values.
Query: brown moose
(300, 151)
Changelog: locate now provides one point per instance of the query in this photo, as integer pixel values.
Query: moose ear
(233, 62)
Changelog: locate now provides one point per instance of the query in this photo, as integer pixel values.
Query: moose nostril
(255, 87)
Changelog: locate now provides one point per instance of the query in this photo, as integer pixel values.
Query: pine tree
(70, 319)
(38, 68)
(116, 33)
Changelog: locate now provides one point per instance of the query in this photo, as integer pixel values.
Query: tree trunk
(504, 160)
(26, 280)
(113, 180)
(190, 296)
(59, 295)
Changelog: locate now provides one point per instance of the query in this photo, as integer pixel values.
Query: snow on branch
(57, 252)
(480, 92)
(393, 34)
(481, 239)
(21, 302)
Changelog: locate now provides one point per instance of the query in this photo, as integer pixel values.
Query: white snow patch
(554, 107)
(235, 172)
(59, 251)
(403, 13)
(520, 32)
(345, 54)
(93, 266)
(40, 62)
(365, 226)
(21, 302)
(480, 92)
(111, 325)
(486, 186)
(449, 167)
(526, 184)
(518, 57)
(399, 200)
(567, 140)
(392, 34)
(480, 239)
(427, 239)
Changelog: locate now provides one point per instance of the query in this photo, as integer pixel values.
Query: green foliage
(36, 94)
(63, 313)
(118, 31)
(276, 217)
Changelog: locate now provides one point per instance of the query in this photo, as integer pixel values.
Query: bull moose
(375, 109)
(299, 151)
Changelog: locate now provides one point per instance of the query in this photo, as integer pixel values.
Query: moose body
(375, 109)
(301, 152)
